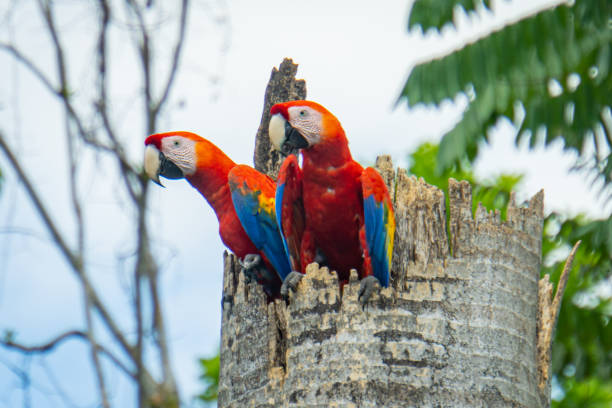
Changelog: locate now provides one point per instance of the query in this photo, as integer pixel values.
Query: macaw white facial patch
(151, 162)
(276, 130)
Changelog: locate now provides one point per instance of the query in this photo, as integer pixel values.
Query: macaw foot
(250, 266)
(290, 284)
(366, 289)
(226, 299)
(320, 258)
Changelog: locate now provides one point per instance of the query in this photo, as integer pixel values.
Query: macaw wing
(290, 209)
(253, 198)
(379, 223)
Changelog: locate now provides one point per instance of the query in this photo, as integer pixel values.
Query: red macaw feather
(347, 211)
(211, 179)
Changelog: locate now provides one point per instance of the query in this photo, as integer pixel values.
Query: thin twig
(63, 90)
(72, 258)
(160, 331)
(45, 347)
(52, 344)
(56, 385)
(143, 50)
(175, 58)
(102, 103)
(94, 353)
(29, 64)
(38, 73)
(74, 195)
(139, 335)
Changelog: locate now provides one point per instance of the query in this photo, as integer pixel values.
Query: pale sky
(355, 58)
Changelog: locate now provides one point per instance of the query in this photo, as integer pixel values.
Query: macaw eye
(302, 113)
(176, 143)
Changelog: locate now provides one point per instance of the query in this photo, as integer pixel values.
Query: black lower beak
(294, 141)
(168, 169)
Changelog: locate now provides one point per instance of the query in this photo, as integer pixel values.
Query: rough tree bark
(458, 325)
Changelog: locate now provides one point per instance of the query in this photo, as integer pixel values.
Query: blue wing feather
(256, 212)
(379, 224)
(280, 190)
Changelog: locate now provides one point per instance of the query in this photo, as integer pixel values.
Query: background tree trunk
(456, 327)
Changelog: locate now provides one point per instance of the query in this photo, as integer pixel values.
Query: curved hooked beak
(156, 164)
(284, 137)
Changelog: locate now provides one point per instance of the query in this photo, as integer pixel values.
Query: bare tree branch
(59, 390)
(29, 64)
(144, 52)
(105, 138)
(94, 353)
(74, 195)
(77, 208)
(70, 256)
(52, 344)
(63, 91)
(45, 8)
(65, 97)
(45, 347)
(74, 260)
(102, 103)
(24, 377)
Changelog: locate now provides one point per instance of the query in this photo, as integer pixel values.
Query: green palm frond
(437, 13)
(568, 46)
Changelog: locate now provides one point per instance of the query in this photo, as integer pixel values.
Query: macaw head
(175, 155)
(301, 125)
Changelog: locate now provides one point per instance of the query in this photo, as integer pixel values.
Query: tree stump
(457, 326)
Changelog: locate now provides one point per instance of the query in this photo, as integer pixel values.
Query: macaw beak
(284, 137)
(156, 164)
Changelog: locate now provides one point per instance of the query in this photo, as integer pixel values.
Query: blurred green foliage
(548, 72)
(436, 13)
(582, 350)
(210, 379)
(592, 393)
(493, 193)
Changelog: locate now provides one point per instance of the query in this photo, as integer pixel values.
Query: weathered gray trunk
(456, 328)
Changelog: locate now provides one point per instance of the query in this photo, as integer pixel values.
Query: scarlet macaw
(242, 198)
(332, 210)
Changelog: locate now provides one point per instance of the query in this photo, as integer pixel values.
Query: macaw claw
(366, 289)
(226, 299)
(250, 266)
(290, 283)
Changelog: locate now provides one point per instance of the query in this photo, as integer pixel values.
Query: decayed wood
(548, 314)
(455, 328)
(450, 331)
